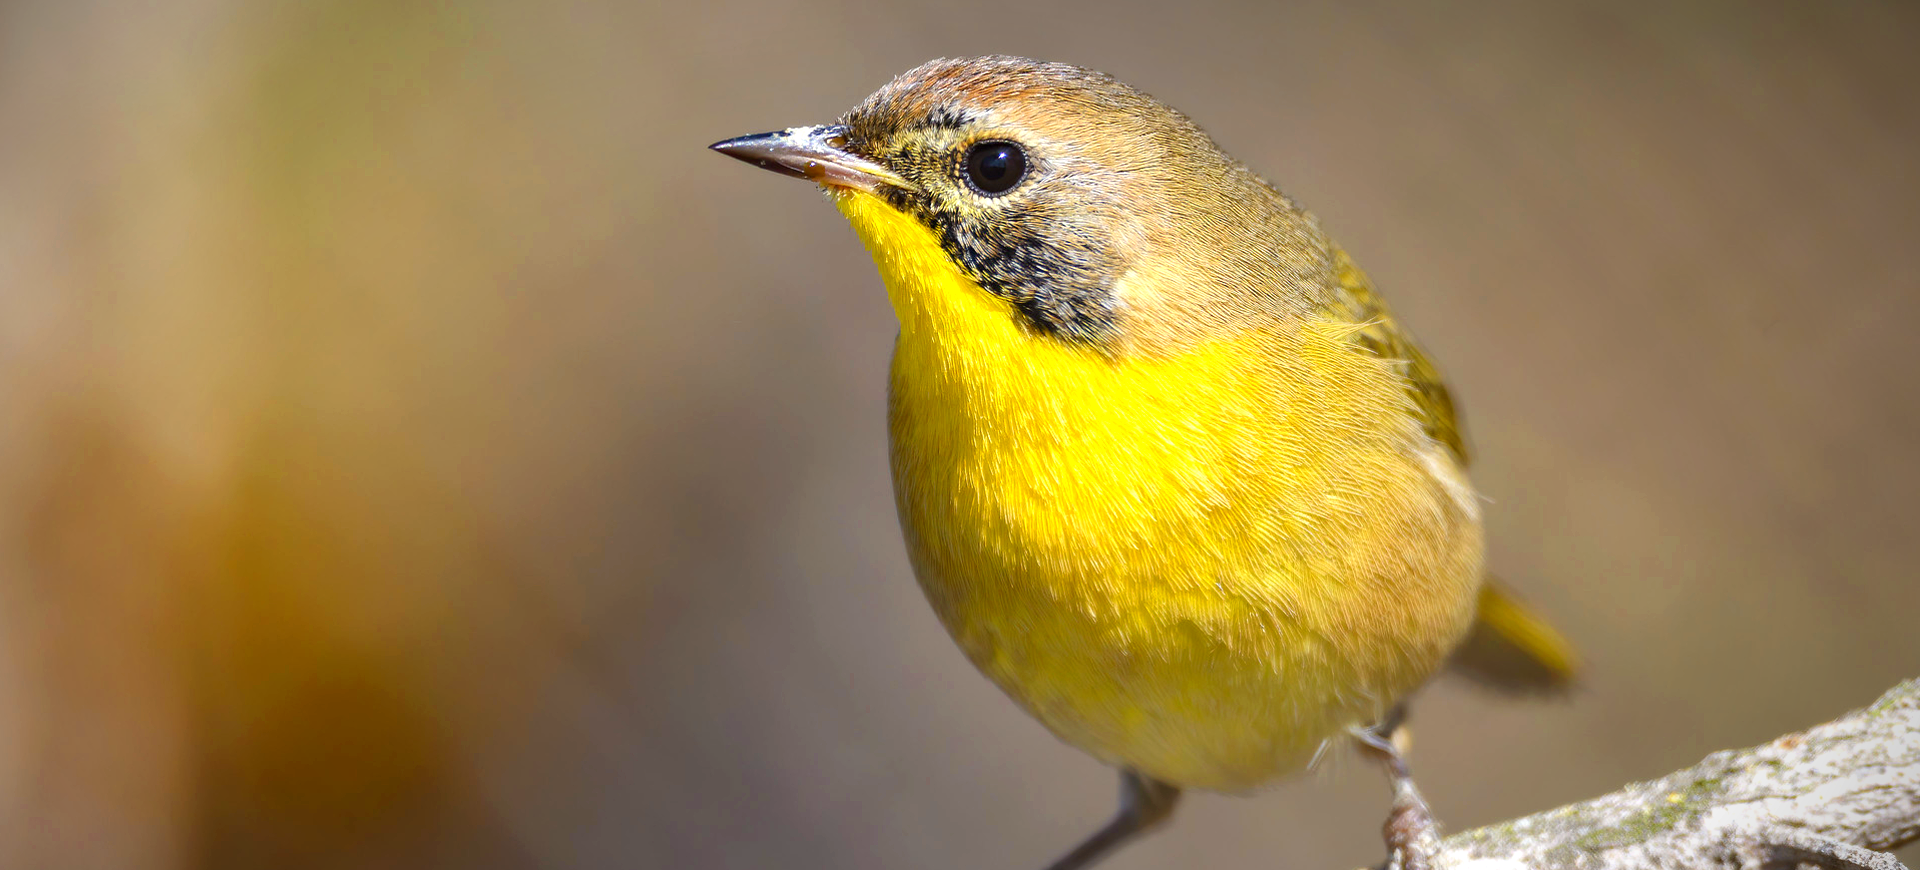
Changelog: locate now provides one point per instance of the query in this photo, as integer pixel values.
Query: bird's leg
(1413, 839)
(1144, 802)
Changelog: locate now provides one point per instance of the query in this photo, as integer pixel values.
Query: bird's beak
(815, 153)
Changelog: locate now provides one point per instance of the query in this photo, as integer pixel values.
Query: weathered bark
(1836, 796)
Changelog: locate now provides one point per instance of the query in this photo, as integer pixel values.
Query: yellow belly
(1200, 566)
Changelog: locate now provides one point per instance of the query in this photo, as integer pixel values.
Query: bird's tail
(1512, 649)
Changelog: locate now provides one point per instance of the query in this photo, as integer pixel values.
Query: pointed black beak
(815, 153)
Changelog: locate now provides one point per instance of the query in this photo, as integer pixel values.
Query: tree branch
(1835, 796)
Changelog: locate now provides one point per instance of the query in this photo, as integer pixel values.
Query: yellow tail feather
(1512, 649)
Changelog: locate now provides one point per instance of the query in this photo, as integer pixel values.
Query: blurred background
(417, 450)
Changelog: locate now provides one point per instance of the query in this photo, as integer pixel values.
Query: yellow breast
(1199, 565)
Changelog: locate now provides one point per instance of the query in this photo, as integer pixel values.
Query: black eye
(995, 167)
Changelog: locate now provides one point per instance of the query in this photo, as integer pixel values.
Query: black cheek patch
(1060, 285)
(902, 200)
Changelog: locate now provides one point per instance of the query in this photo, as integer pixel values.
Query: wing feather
(1355, 301)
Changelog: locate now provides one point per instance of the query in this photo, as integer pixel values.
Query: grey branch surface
(1836, 796)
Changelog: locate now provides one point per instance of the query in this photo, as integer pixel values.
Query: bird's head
(1096, 214)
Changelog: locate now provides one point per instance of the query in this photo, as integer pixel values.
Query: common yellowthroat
(1169, 471)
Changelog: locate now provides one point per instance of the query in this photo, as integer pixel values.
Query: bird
(1168, 470)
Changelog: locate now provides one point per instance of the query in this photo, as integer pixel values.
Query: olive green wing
(1355, 301)
(1510, 647)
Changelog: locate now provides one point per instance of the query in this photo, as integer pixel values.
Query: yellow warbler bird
(1169, 472)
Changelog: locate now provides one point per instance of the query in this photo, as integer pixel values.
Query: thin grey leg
(1412, 836)
(1144, 803)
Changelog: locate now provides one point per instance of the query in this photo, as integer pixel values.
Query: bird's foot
(1413, 838)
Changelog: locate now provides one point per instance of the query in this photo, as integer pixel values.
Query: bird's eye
(995, 167)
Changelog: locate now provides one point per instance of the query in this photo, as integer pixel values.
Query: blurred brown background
(416, 450)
